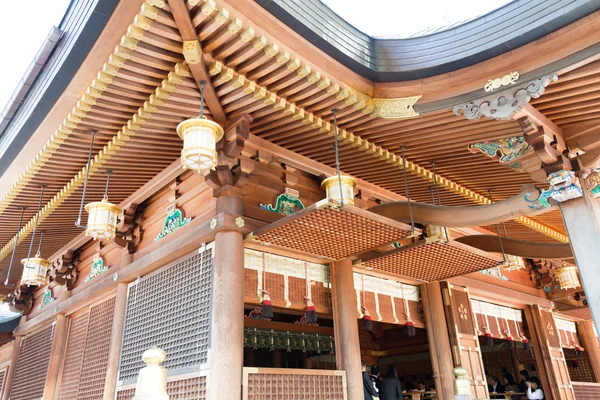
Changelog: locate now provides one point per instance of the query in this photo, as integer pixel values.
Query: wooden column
(582, 220)
(116, 341)
(13, 366)
(548, 350)
(227, 320)
(59, 340)
(439, 341)
(347, 341)
(590, 344)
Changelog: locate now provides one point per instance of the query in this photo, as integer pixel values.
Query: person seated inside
(494, 386)
(375, 371)
(524, 377)
(509, 383)
(421, 387)
(534, 389)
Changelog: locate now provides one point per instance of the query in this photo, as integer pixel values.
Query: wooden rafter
(197, 67)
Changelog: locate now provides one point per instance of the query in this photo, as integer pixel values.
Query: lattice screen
(276, 386)
(86, 356)
(171, 310)
(2, 380)
(32, 365)
(185, 389)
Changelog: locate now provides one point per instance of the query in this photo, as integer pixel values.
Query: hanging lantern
(34, 271)
(102, 219)
(200, 137)
(567, 277)
(332, 187)
(514, 263)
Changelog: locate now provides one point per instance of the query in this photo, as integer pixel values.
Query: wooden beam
(197, 68)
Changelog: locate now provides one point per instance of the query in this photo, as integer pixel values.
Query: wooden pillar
(116, 341)
(347, 341)
(582, 220)
(548, 350)
(56, 356)
(227, 319)
(276, 358)
(590, 344)
(439, 341)
(13, 366)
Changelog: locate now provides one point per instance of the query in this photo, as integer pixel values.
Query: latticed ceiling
(145, 89)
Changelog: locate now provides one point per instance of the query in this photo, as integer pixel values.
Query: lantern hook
(87, 174)
(37, 216)
(12, 257)
(337, 154)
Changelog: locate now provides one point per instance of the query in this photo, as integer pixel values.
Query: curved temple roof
(389, 60)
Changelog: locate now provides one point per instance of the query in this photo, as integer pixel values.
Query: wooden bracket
(128, 231)
(63, 270)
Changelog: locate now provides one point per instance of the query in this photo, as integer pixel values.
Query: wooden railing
(283, 383)
(586, 390)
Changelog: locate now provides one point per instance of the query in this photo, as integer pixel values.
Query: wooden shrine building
(269, 195)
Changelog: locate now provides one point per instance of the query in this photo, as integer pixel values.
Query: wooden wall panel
(586, 391)
(74, 357)
(463, 336)
(3, 374)
(32, 365)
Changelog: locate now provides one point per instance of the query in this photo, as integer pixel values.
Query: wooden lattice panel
(171, 310)
(86, 356)
(95, 361)
(32, 365)
(586, 391)
(325, 231)
(2, 380)
(434, 262)
(275, 384)
(74, 357)
(185, 389)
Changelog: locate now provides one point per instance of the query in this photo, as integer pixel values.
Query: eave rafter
(119, 140)
(192, 51)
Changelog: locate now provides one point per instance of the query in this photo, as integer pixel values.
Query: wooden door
(463, 337)
(553, 357)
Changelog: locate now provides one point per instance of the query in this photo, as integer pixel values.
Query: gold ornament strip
(508, 79)
(84, 105)
(118, 141)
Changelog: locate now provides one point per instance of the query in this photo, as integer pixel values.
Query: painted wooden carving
(592, 182)
(46, 298)
(173, 221)
(98, 267)
(286, 203)
(506, 151)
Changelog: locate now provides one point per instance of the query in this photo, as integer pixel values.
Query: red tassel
(267, 307)
(367, 320)
(575, 363)
(489, 340)
(511, 342)
(410, 328)
(578, 351)
(526, 343)
(311, 314)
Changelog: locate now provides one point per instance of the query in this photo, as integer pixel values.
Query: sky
(403, 18)
(24, 25)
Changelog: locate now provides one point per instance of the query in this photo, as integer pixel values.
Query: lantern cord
(12, 257)
(437, 190)
(40, 243)
(337, 154)
(412, 220)
(202, 85)
(108, 174)
(431, 193)
(498, 230)
(37, 215)
(87, 174)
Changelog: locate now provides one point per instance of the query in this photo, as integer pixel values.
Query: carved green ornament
(285, 204)
(504, 150)
(98, 267)
(46, 298)
(173, 221)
